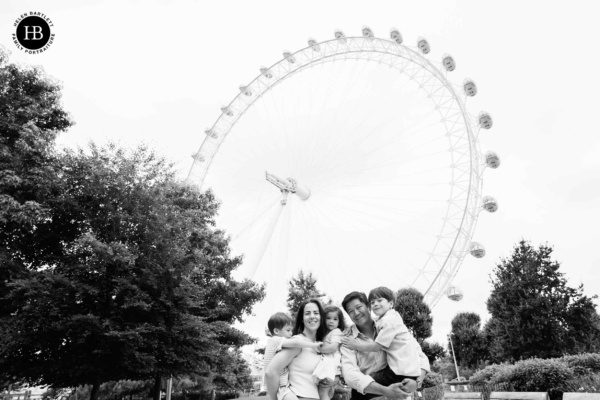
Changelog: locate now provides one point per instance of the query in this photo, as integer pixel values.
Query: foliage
(494, 373)
(533, 311)
(589, 383)
(138, 285)
(300, 288)
(433, 379)
(434, 351)
(445, 367)
(232, 372)
(583, 364)
(538, 375)
(31, 117)
(416, 314)
(467, 339)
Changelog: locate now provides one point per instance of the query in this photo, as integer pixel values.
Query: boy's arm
(364, 347)
(299, 344)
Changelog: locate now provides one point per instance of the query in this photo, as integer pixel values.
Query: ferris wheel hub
(289, 185)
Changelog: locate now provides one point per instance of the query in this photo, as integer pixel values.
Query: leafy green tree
(415, 312)
(434, 351)
(302, 287)
(534, 313)
(31, 117)
(468, 339)
(140, 286)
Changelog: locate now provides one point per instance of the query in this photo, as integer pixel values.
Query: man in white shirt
(357, 366)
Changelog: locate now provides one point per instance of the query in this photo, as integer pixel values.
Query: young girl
(330, 364)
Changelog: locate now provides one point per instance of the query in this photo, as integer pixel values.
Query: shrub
(583, 364)
(495, 373)
(588, 384)
(433, 379)
(537, 375)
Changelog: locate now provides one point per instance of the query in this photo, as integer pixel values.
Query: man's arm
(364, 383)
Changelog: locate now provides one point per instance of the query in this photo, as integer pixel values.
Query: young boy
(393, 337)
(280, 328)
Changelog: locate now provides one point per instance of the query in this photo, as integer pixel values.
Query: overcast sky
(158, 71)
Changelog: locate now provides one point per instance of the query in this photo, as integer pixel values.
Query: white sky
(158, 71)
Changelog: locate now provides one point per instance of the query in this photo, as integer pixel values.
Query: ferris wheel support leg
(262, 246)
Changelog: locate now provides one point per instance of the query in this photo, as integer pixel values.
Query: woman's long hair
(299, 326)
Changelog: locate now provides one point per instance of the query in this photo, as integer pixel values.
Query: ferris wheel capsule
(339, 35)
(198, 157)
(423, 45)
(396, 36)
(211, 133)
(454, 293)
(244, 89)
(367, 32)
(265, 71)
(485, 120)
(492, 159)
(470, 87)
(288, 56)
(490, 204)
(313, 43)
(448, 62)
(227, 111)
(477, 250)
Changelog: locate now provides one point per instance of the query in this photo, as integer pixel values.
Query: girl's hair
(299, 326)
(340, 315)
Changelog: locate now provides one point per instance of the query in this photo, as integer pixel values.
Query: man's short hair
(360, 296)
(381, 292)
(278, 321)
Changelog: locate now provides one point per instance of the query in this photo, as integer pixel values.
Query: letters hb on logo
(35, 31)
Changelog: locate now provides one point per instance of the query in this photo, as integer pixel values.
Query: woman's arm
(277, 364)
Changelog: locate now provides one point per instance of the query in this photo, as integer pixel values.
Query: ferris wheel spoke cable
(356, 255)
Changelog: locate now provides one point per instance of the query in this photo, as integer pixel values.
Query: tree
(31, 117)
(416, 314)
(302, 287)
(534, 313)
(468, 339)
(434, 351)
(140, 286)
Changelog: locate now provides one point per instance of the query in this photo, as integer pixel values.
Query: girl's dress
(330, 364)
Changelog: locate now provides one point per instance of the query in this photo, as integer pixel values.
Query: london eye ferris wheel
(356, 159)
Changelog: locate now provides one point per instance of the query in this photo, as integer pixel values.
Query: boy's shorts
(283, 391)
(387, 377)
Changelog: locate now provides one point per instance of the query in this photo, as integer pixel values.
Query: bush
(495, 373)
(588, 384)
(583, 364)
(433, 379)
(537, 375)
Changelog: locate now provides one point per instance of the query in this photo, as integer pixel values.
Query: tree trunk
(155, 388)
(95, 390)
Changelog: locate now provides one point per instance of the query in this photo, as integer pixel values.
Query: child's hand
(317, 346)
(349, 342)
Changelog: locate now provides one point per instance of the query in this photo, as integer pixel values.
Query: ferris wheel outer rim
(475, 175)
